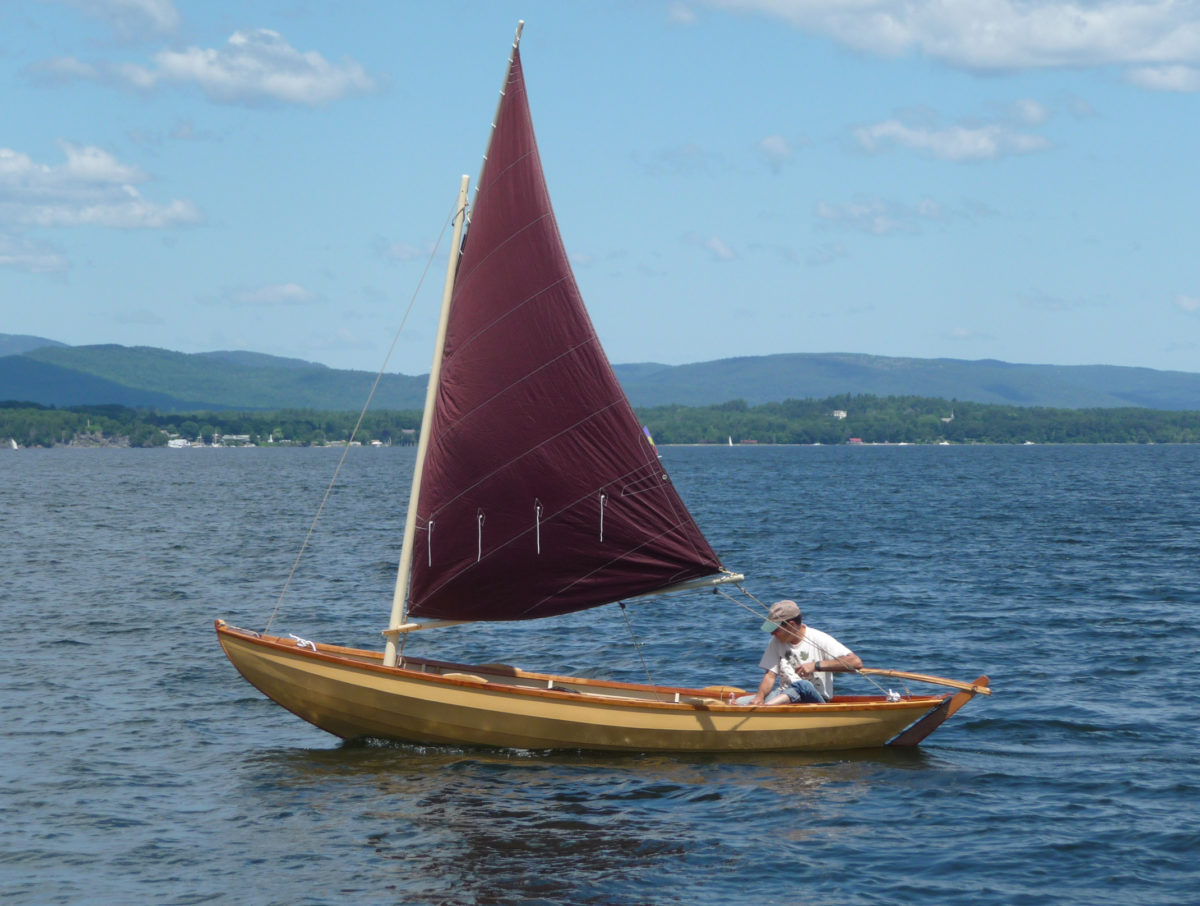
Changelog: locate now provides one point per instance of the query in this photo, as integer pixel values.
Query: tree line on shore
(32, 425)
(833, 420)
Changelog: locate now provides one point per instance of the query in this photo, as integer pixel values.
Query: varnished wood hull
(349, 693)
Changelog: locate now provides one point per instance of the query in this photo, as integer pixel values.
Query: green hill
(16, 343)
(767, 379)
(149, 377)
(50, 374)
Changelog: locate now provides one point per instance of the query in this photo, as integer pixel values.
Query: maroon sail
(540, 493)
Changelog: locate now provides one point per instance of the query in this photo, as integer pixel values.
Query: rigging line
(363, 414)
(637, 646)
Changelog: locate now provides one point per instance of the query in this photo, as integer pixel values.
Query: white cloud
(880, 217)
(184, 131)
(1030, 112)
(719, 249)
(1000, 35)
(713, 245)
(255, 66)
(92, 188)
(777, 150)
(65, 69)
(929, 209)
(956, 143)
(130, 74)
(680, 14)
(274, 294)
(876, 217)
(132, 17)
(1166, 78)
(20, 253)
(260, 65)
(1190, 304)
(402, 251)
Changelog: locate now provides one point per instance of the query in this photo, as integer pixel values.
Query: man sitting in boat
(802, 659)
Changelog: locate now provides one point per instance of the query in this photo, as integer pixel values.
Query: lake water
(137, 767)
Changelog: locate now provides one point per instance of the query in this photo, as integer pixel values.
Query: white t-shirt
(782, 659)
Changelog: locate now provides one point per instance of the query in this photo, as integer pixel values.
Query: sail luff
(399, 596)
(499, 105)
(398, 616)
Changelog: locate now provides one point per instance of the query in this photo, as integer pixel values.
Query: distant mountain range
(34, 369)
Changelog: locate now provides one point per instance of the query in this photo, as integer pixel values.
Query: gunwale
(350, 693)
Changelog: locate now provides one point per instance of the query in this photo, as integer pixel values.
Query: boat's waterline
(349, 693)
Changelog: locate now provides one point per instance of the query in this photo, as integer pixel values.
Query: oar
(980, 685)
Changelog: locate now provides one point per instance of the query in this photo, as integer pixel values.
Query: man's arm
(843, 663)
(767, 684)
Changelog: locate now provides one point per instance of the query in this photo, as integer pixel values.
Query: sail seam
(680, 522)
(528, 452)
(481, 189)
(678, 576)
(451, 426)
(491, 325)
(480, 192)
(683, 572)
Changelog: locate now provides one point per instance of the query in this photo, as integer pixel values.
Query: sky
(971, 179)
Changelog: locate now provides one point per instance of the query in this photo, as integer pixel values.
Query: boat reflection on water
(486, 825)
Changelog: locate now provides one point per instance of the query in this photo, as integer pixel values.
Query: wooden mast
(397, 624)
(435, 370)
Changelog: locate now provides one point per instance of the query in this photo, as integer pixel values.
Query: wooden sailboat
(537, 493)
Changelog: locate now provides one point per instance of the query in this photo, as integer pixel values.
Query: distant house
(839, 414)
(855, 440)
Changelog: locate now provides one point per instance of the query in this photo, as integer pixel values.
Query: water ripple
(137, 767)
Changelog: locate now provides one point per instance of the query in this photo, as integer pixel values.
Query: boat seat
(722, 691)
(506, 669)
(469, 677)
